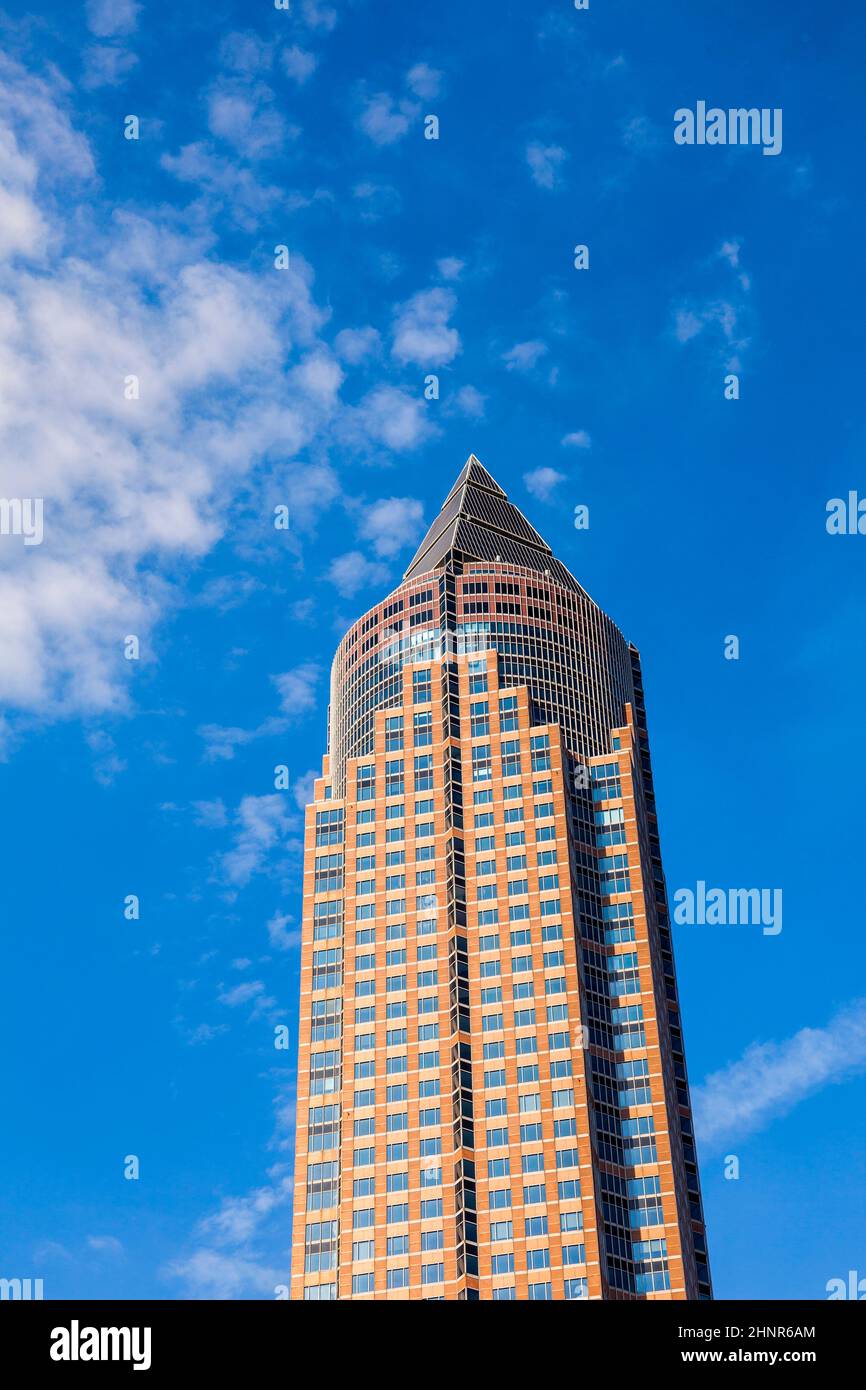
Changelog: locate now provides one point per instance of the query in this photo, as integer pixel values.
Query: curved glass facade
(554, 639)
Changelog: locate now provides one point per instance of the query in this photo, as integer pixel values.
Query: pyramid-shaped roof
(477, 522)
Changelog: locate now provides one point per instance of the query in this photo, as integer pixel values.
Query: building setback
(492, 1091)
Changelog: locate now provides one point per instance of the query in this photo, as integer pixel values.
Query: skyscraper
(492, 1091)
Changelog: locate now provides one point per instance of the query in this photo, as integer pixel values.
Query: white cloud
(722, 317)
(318, 377)
(424, 81)
(309, 490)
(106, 65)
(242, 994)
(771, 1078)
(107, 764)
(298, 688)
(205, 1033)
(302, 788)
(390, 416)
(545, 163)
(108, 17)
(247, 118)
(210, 814)
(228, 1258)
(318, 15)
(282, 934)
(35, 112)
(469, 401)
(385, 120)
(227, 591)
(687, 325)
(524, 356)
(450, 268)
(238, 1218)
(354, 345)
(245, 52)
(577, 439)
(298, 64)
(226, 1263)
(421, 331)
(297, 691)
(105, 1245)
(119, 509)
(376, 200)
(223, 740)
(230, 372)
(262, 826)
(542, 482)
(730, 251)
(51, 1250)
(391, 523)
(353, 571)
(228, 187)
(234, 383)
(21, 223)
(640, 135)
(212, 1274)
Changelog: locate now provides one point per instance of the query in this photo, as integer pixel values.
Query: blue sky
(154, 258)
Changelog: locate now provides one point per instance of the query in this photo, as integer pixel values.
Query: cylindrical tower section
(548, 636)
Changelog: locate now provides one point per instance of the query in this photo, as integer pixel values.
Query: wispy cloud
(242, 1248)
(524, 356)
(106, 65)
(424, 81)
(298, 64)
(282, 933)
(302, 788)
(209, 1273)
(386, 120)
(722, 314)
(577, 439)
(391, 417)
(640, 135)
(771, 1078)
(297, 690)
(355, 345)
(352, 571)
(422, 333)
(545, 163)
(262, 828)
(450, 267)
(318, 15)
(391, 523)
(470, 402)
(376, 200)
(542, 482)
(107, 18)
(210, 814)
(105, 1245)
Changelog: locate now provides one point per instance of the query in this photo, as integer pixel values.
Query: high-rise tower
(492, 1089)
